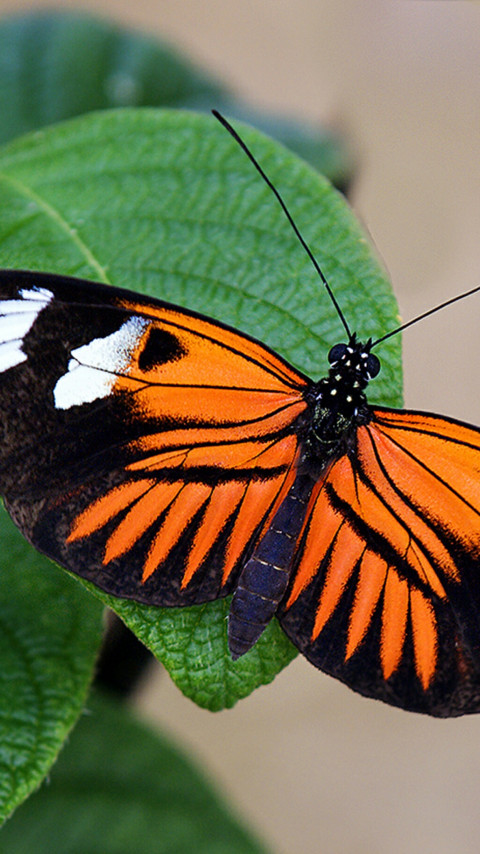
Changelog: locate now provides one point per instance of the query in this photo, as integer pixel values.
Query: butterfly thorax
(338, 401)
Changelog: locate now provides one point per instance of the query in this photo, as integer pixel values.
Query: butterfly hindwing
(385, 593)
(145, 447)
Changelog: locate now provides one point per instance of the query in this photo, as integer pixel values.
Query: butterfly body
(265, 577)
(337, 406)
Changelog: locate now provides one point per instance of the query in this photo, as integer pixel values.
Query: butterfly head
(352, 364)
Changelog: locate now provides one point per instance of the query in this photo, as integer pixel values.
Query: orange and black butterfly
(172, 460)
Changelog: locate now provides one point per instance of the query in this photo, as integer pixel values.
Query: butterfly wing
(144, 447)
(386, 590)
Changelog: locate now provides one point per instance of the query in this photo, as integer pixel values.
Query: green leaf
(55, 65)
(58, 64)
(50, 630)
(168, 204)
(192, 645)
(119, 789)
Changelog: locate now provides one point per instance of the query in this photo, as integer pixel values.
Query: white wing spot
(93, 368)
(17, 317)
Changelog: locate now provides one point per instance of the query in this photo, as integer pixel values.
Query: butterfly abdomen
(265, 576)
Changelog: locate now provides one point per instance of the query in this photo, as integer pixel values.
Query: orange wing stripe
(97, 514)
(189, 500)
(345, 556)
(371, 580)
(141, 516)
(425, 637)
(223, 502)
(394, 622)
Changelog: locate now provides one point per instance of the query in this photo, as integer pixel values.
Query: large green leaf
(58, 64)
(167, 203)
(119, 789)
(49, 634)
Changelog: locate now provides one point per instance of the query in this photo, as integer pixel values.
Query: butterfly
(170, 459)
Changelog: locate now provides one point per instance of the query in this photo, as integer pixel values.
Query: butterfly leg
(264, 578)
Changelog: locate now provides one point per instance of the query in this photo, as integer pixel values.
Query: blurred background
(312, 766)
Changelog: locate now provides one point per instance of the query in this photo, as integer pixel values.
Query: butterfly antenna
(426, 314)
(223, 121)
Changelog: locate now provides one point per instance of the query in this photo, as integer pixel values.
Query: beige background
(317, 769)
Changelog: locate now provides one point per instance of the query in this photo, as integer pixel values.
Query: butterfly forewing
(166, 440)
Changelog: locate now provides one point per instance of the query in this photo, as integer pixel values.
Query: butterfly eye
(337, 352)
(373, 365)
